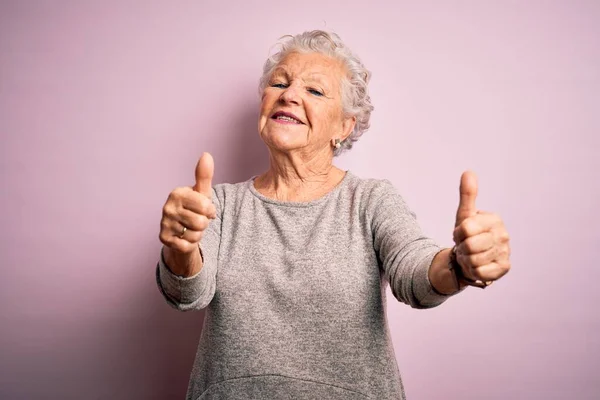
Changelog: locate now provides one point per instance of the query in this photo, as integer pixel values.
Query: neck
(295, 178)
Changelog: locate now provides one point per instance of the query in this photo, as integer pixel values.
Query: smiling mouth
(286, 118)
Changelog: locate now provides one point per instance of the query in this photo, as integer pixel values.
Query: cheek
(267, 103)
(262, 121)
(326, 119)
(266, 106)
(317, 116)
(263, 104)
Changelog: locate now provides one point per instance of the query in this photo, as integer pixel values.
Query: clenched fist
(188, 211)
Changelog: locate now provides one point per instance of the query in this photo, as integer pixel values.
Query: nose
(290, 95)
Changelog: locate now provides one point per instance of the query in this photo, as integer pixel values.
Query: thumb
(204, 173)
(468, 194)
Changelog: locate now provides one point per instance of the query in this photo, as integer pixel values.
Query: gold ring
(182, 232)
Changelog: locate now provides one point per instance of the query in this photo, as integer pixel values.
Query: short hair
(356, 101)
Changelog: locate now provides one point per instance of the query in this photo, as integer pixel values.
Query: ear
(347, 127)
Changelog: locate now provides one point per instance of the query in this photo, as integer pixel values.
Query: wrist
(182, 264)
(441, 277)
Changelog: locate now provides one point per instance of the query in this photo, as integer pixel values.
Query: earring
(337, 143)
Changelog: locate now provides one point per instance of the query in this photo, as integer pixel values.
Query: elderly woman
(292, 265)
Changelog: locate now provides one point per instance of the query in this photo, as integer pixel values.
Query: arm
(482, 248)
(191, 221)
(409, 259)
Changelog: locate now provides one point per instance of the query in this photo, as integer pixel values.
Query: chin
(283, 139)
(283, 145)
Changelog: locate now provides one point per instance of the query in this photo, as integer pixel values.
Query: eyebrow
(313, 77)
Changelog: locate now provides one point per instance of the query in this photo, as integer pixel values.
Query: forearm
(441, 277)
(181, 264)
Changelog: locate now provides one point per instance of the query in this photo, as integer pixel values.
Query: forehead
(311, 65)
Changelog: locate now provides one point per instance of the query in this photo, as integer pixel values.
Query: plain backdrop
(106, 106)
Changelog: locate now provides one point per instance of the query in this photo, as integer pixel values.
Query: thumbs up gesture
(482, 242)
(188, 210)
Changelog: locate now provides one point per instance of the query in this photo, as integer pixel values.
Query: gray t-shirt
(295, 293)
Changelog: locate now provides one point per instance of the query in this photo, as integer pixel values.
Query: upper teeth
(286, 118)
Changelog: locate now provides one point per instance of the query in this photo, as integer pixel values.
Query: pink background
(106, 106)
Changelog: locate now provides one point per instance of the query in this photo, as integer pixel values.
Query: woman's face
(301, 106)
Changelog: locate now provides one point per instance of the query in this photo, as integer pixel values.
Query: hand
(190, 208)
(482, 242)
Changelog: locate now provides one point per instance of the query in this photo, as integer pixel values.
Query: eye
(279, 85)
(315, 92)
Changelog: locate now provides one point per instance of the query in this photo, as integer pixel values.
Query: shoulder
(231, 189)
(371, 189)
(228, 194)
(378, 196)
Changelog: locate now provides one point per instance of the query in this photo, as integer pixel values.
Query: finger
(204, 174)
(171, 239)
(478, 259)
(181, 245)
(176, 211)
(198, 203)
(475, 225)
(190, 236)
(171, 230)
(192, 220)
(468, 195)
(490, 272)
(476, 244)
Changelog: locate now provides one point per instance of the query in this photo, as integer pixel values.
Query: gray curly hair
(355, 96)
